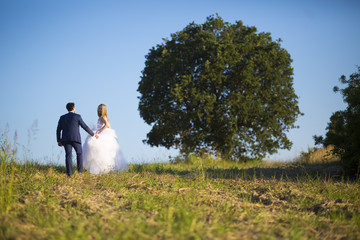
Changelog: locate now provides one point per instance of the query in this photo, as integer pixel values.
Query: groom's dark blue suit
(70, 138)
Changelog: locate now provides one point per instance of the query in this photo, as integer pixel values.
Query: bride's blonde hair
(103, 113)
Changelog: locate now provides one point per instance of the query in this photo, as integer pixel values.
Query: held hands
(96, 134)
(59, 144)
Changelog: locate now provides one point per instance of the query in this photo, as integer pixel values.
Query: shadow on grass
(289, 171)
(158, 168)
(286, 171)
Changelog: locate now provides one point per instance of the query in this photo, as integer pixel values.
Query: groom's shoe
(80, 169)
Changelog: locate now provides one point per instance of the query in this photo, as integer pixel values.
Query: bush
(343, 130)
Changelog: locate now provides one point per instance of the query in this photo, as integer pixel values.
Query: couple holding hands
(100, 152)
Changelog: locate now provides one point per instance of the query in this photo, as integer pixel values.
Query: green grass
(200, 199)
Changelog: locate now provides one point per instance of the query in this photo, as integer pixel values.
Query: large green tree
(219, 87)
(343, 130)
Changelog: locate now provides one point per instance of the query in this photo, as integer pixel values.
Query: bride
(103, 155)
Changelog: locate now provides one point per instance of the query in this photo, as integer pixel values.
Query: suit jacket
(69, 125)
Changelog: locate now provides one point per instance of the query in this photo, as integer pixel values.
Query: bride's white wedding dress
(103, 155)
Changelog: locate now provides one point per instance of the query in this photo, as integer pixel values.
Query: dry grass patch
(318, 155)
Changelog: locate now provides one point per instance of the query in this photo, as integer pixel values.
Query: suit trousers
(68, 156)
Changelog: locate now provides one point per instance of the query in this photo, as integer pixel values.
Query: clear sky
(92, 52)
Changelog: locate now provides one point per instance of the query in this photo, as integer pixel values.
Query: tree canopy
(221, 88)
(343, 130)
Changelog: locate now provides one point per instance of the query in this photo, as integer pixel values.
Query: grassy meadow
(201, 199)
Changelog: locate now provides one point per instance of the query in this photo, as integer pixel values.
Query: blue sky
(92, 52)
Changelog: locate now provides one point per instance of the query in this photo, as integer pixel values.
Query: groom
(69, 125)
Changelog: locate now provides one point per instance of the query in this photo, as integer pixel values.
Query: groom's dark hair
(70, 106)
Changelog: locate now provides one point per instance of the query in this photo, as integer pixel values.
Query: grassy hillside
(203, 199)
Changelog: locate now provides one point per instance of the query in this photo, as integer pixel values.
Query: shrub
(343, 130)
